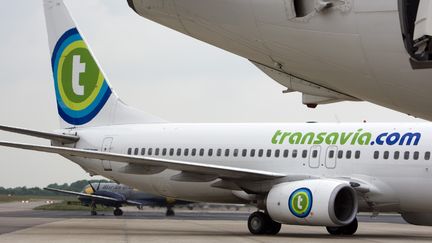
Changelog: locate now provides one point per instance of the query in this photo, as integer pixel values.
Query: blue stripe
(90, 108)
(89, 117)
(70, 116)
(66, 35)
(62, 47)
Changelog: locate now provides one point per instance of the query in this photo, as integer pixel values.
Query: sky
(151, 67)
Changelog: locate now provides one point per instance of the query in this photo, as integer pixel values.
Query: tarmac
(19, 223)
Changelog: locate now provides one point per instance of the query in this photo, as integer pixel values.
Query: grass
(15, 198)
(66, 203)
(70, 206)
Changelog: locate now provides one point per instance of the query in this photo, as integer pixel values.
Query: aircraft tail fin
(84, 96)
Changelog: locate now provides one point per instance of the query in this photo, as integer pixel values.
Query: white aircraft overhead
(330, 50)
(302, 174)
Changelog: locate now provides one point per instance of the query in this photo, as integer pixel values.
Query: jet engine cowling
(320, 202)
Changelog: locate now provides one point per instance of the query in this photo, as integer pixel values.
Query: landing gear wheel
(348, 229)
(118, 212)
(260, 223)
(93, 209)
(273, 227)
(256, 223)
(169, 212)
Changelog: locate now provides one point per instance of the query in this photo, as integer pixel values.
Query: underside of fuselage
(349, 50)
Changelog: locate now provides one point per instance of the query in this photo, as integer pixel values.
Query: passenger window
(285, 153)
(348, 154)
(427, 156)
(157, 151)
(143, 151)
(277, 153)
(340, 154)
(179, 152)
(219, 152)
(227, 152)
(164, 152)
(252, 153)
(244, 152)
(171, 151)
(357, 154)
(186, 152)
(129, 151)
(376, 155)
(235, 152)
(331, 154)
(193, 152)
(150, 151)
(269, 152)
(314, 153)
(396, 155)
(201, 152)
(210, 152)
(260, 153)
(136, 151)
(304, 153)
(294, 153)
(406, 155)
(386, 154)
(416, 155)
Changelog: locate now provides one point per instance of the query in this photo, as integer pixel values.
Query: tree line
(74, 186)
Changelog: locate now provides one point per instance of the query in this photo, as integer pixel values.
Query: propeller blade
(98, 185)
(92, 186)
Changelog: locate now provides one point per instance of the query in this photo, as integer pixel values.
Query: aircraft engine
(320, 202)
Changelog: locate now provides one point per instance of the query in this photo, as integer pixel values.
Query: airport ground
(19, 223)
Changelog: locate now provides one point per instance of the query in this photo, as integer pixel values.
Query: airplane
(116, 195)
(314, 174)
(329, 50)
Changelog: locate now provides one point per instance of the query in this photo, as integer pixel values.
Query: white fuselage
(368, 155)
(355, 48)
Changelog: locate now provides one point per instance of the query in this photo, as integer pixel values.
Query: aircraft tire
(260, 223)
(346, 230)
(118, 212)
(169, 212)
(273, 227)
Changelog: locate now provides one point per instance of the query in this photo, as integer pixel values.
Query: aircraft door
(106, 147)
(314, 156)
(416, 23)
(330, 159)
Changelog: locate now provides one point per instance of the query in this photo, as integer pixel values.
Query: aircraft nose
(160, 11)
(153, 7)
(131, 5)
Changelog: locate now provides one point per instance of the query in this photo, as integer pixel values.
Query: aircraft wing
(184, 166)
(134, 203)
(81, 194)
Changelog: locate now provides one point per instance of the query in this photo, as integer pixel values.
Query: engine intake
(323, 202)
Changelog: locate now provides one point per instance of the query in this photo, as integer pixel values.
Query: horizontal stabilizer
(65, 139)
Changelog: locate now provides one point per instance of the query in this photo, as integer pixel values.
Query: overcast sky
(152, 68)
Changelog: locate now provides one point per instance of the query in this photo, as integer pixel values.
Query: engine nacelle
(321, 202)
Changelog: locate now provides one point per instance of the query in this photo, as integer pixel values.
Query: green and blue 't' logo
(300, 202)
(80, 86)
